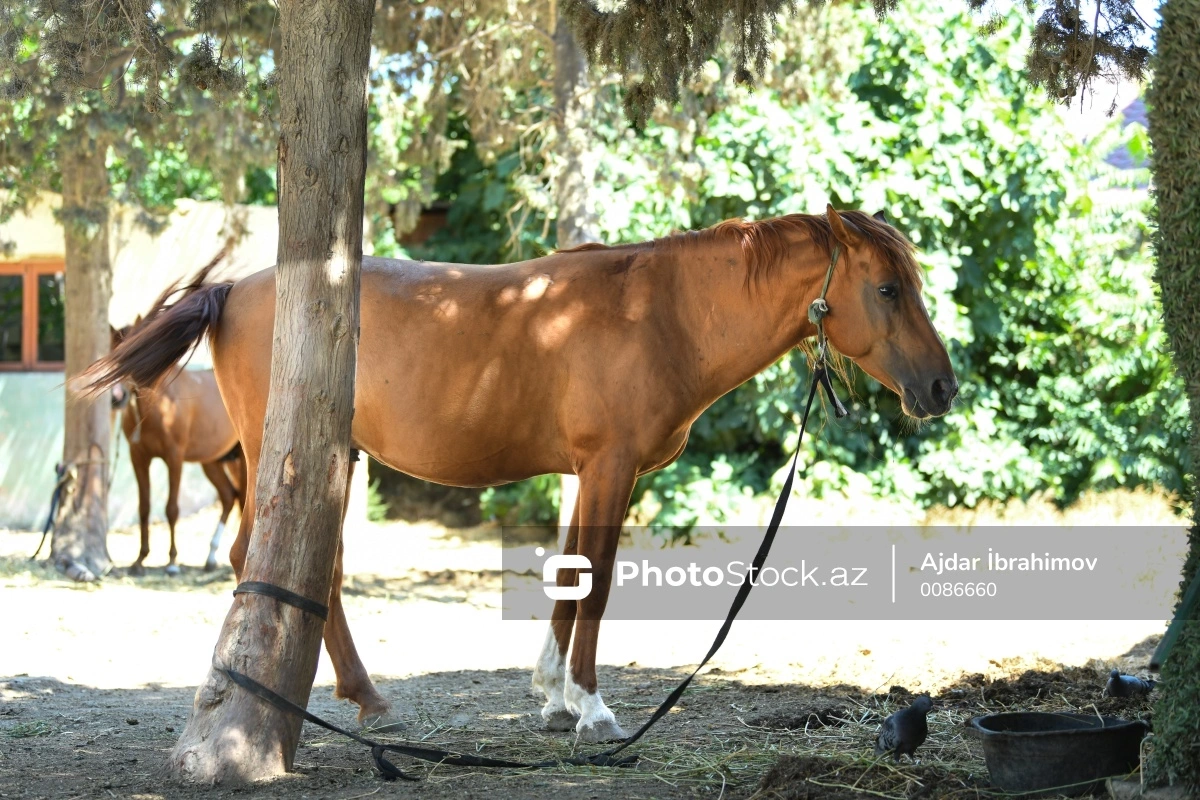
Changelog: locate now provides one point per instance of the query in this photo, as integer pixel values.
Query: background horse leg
(174, 476)
(215, 471)
(604, 490)
(550, 671)
(141, 471)
(353, 682)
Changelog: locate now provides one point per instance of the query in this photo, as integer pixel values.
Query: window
(32, 319)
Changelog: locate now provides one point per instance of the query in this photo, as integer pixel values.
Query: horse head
(121, 394)
(877, 316)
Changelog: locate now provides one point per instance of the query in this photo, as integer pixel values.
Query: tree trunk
(576, 223)
(79, 547)
(1174, 118)
(301, 483)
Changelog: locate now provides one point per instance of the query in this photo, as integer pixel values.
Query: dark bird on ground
(904, 731)
(1127, 685)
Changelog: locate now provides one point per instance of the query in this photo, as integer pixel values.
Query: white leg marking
(596, 722)
(214, 544)
(548, 679)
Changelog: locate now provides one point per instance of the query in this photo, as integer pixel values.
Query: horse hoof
(387, 722)
(210, 566)
(173, 570)
(137, 570)
(601, 732)
(560, 720)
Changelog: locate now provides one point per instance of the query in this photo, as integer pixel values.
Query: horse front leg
(141, 471)
(604, 490)
(549, 675)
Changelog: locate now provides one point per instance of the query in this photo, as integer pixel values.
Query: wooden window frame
(31, 270)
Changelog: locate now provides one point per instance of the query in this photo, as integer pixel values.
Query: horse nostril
(944, 391)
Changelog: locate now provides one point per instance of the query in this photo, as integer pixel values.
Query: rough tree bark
(576, 223)
(232, 736)
(79, 547)
(1174, 114)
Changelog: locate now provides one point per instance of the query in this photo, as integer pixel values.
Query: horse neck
(740, 326)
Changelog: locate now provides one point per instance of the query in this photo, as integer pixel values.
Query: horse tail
(170, 332)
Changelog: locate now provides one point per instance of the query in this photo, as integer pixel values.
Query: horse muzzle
(120, 397)
(933, 401)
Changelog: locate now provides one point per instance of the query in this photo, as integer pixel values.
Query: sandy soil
(96, 682)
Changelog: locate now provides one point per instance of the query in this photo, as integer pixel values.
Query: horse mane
(764, 243)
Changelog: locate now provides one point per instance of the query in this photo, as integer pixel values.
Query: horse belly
(456, 440)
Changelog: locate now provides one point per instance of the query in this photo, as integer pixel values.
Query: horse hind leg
(604, 490)
(228, 495)
(174, 477)
(353, 681)
(549, 674)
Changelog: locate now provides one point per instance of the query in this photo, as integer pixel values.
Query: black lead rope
(390, 771)
(60, 474)
(608, 758)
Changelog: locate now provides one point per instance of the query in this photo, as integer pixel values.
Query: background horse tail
(168, 334)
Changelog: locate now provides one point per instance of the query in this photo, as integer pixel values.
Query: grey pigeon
(904, 731)
(1126, 685)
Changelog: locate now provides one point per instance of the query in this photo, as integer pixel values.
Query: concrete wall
(31, 434)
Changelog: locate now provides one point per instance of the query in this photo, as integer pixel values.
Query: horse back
(474, 375)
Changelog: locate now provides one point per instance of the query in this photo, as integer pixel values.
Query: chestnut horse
(594, 361)
(181, 419)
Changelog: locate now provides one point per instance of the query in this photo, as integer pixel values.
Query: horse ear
(840, 232)
(882, 217)
(138, 321)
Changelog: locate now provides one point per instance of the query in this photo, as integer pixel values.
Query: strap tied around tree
(284, 596)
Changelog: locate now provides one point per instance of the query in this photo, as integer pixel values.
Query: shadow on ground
(61, 740)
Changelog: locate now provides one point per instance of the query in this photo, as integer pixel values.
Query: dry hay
(822, 778)
(799, 743)
(836, 762)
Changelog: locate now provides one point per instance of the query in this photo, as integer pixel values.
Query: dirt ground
(96, 683)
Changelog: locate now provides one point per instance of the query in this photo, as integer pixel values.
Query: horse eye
(889, 291)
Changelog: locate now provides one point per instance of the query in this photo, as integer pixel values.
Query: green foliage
(1177, 713)
(1038, 272)
(485, 224)
(660, 47)
(93, 79)
(671, 42)
(531, 502)
(377, 507)
(1175, 129)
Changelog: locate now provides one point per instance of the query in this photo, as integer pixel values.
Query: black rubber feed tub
(1070, 754)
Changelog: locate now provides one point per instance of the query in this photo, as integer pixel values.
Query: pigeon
(904, 731)
(1127, 685)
